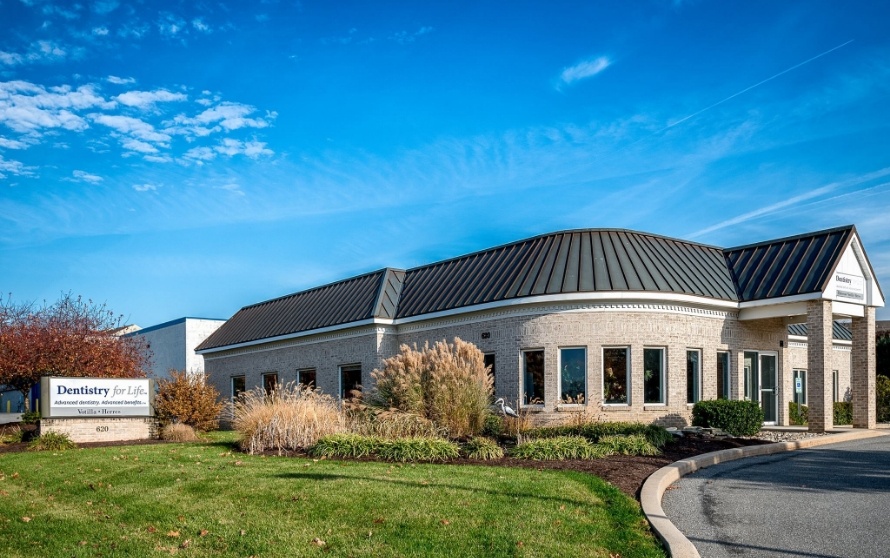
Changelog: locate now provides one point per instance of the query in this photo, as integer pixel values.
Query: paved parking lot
(830, 501)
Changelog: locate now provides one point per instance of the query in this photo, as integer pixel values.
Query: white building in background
(172, 344)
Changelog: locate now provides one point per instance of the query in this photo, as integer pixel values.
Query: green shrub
(187, 399)
(843, 412)
(345, 445)
(292, 417)
(635, 444)
(739, 418)
(493, 425)
(798, 414)
(446, 383)
(418, 449)
(594, 431)
(483, 448)
(883, 398)
(559, 447)
(31, 417)
(52, 441)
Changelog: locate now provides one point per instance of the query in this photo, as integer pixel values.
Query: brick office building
(628, 325)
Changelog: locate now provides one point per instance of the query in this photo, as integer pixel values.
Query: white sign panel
(97, 397)
(849, 287)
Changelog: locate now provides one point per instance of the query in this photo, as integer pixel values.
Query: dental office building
(622, 324)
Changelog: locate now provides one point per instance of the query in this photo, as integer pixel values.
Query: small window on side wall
(616, 376)
(533, 377)
(350, 380)
(306, 377)
(488, 361)
(239, 386)
(270, 382)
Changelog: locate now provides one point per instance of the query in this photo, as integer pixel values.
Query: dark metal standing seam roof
(568, 262)
(359, 298)
(788, 266)
(838, 331)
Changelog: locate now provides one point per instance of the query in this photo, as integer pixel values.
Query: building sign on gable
(96, 397)
(849, 287)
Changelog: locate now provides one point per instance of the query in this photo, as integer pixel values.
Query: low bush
(739, 418)
(290, 418)
(417, 449)
(798, 414)
(559, 447)
(14, 435)
(493, 425)
(178, 432)
(843, 412)
(31, 417)
(52, 441)
(635, 444)
(390, 423)
(345, 445)
(883, 398)
(188, 399)
(595, 431)
(483, 448)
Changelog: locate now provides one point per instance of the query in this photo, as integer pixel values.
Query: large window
(653, 376)
(616, 376)
(488, 361)
(533, 377)
(723, 377)
(752, 377)
(573, 375)
(307, 377)
(239, 386)
(350, 380)
(693, 376)
(270, 382)
(800, 387)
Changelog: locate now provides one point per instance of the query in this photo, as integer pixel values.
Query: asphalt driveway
(829, 501)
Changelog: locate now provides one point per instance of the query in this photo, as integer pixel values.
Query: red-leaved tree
(72, 337)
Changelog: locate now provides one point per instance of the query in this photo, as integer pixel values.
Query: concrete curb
(676, 543)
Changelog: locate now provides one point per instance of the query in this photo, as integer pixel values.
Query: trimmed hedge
(843, 412)
(799, 414)
(417, 448)
(739, 418)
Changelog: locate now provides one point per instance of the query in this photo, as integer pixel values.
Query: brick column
(862, 370)
(819, 344)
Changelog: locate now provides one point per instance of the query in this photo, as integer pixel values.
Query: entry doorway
(761, 383)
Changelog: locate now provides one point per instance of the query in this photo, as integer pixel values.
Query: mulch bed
(627, 473)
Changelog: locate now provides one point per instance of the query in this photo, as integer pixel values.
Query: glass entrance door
(768, 388)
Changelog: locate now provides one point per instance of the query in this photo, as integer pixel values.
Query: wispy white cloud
(199, 25)
(145, 187)
(404, 37)
(16, 168)
(583, 70)
(130, 126)
(253, 149)
(224, 116)
(10, 58)
(170, 25)
(119, 80)
(6, 143)
(138, 146)
(146, 99)
(101, 31)
(83, 176)
(105, 6)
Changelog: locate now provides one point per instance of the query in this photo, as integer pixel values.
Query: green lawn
(204, 500)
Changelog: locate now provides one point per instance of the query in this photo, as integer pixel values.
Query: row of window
(350, 381)
(616, 376)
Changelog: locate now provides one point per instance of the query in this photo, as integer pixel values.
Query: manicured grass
(203, 499)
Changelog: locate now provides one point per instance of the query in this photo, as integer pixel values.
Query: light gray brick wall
(102, 429)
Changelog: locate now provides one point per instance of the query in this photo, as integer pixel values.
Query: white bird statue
(506, 410)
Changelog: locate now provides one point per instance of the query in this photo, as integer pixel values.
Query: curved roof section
(593, 260)
(374, 295)
(788, 266)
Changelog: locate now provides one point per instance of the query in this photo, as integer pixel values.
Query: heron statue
(505, 409)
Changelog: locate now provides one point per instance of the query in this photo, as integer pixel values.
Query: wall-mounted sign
(849, 287)
(96, 397)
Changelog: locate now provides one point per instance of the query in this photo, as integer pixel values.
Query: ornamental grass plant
(291, 417)
(446, 383)
(178, 432)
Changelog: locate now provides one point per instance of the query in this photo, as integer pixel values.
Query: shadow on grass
(599, 490)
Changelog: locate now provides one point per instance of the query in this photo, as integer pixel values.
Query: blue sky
(188, 158)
